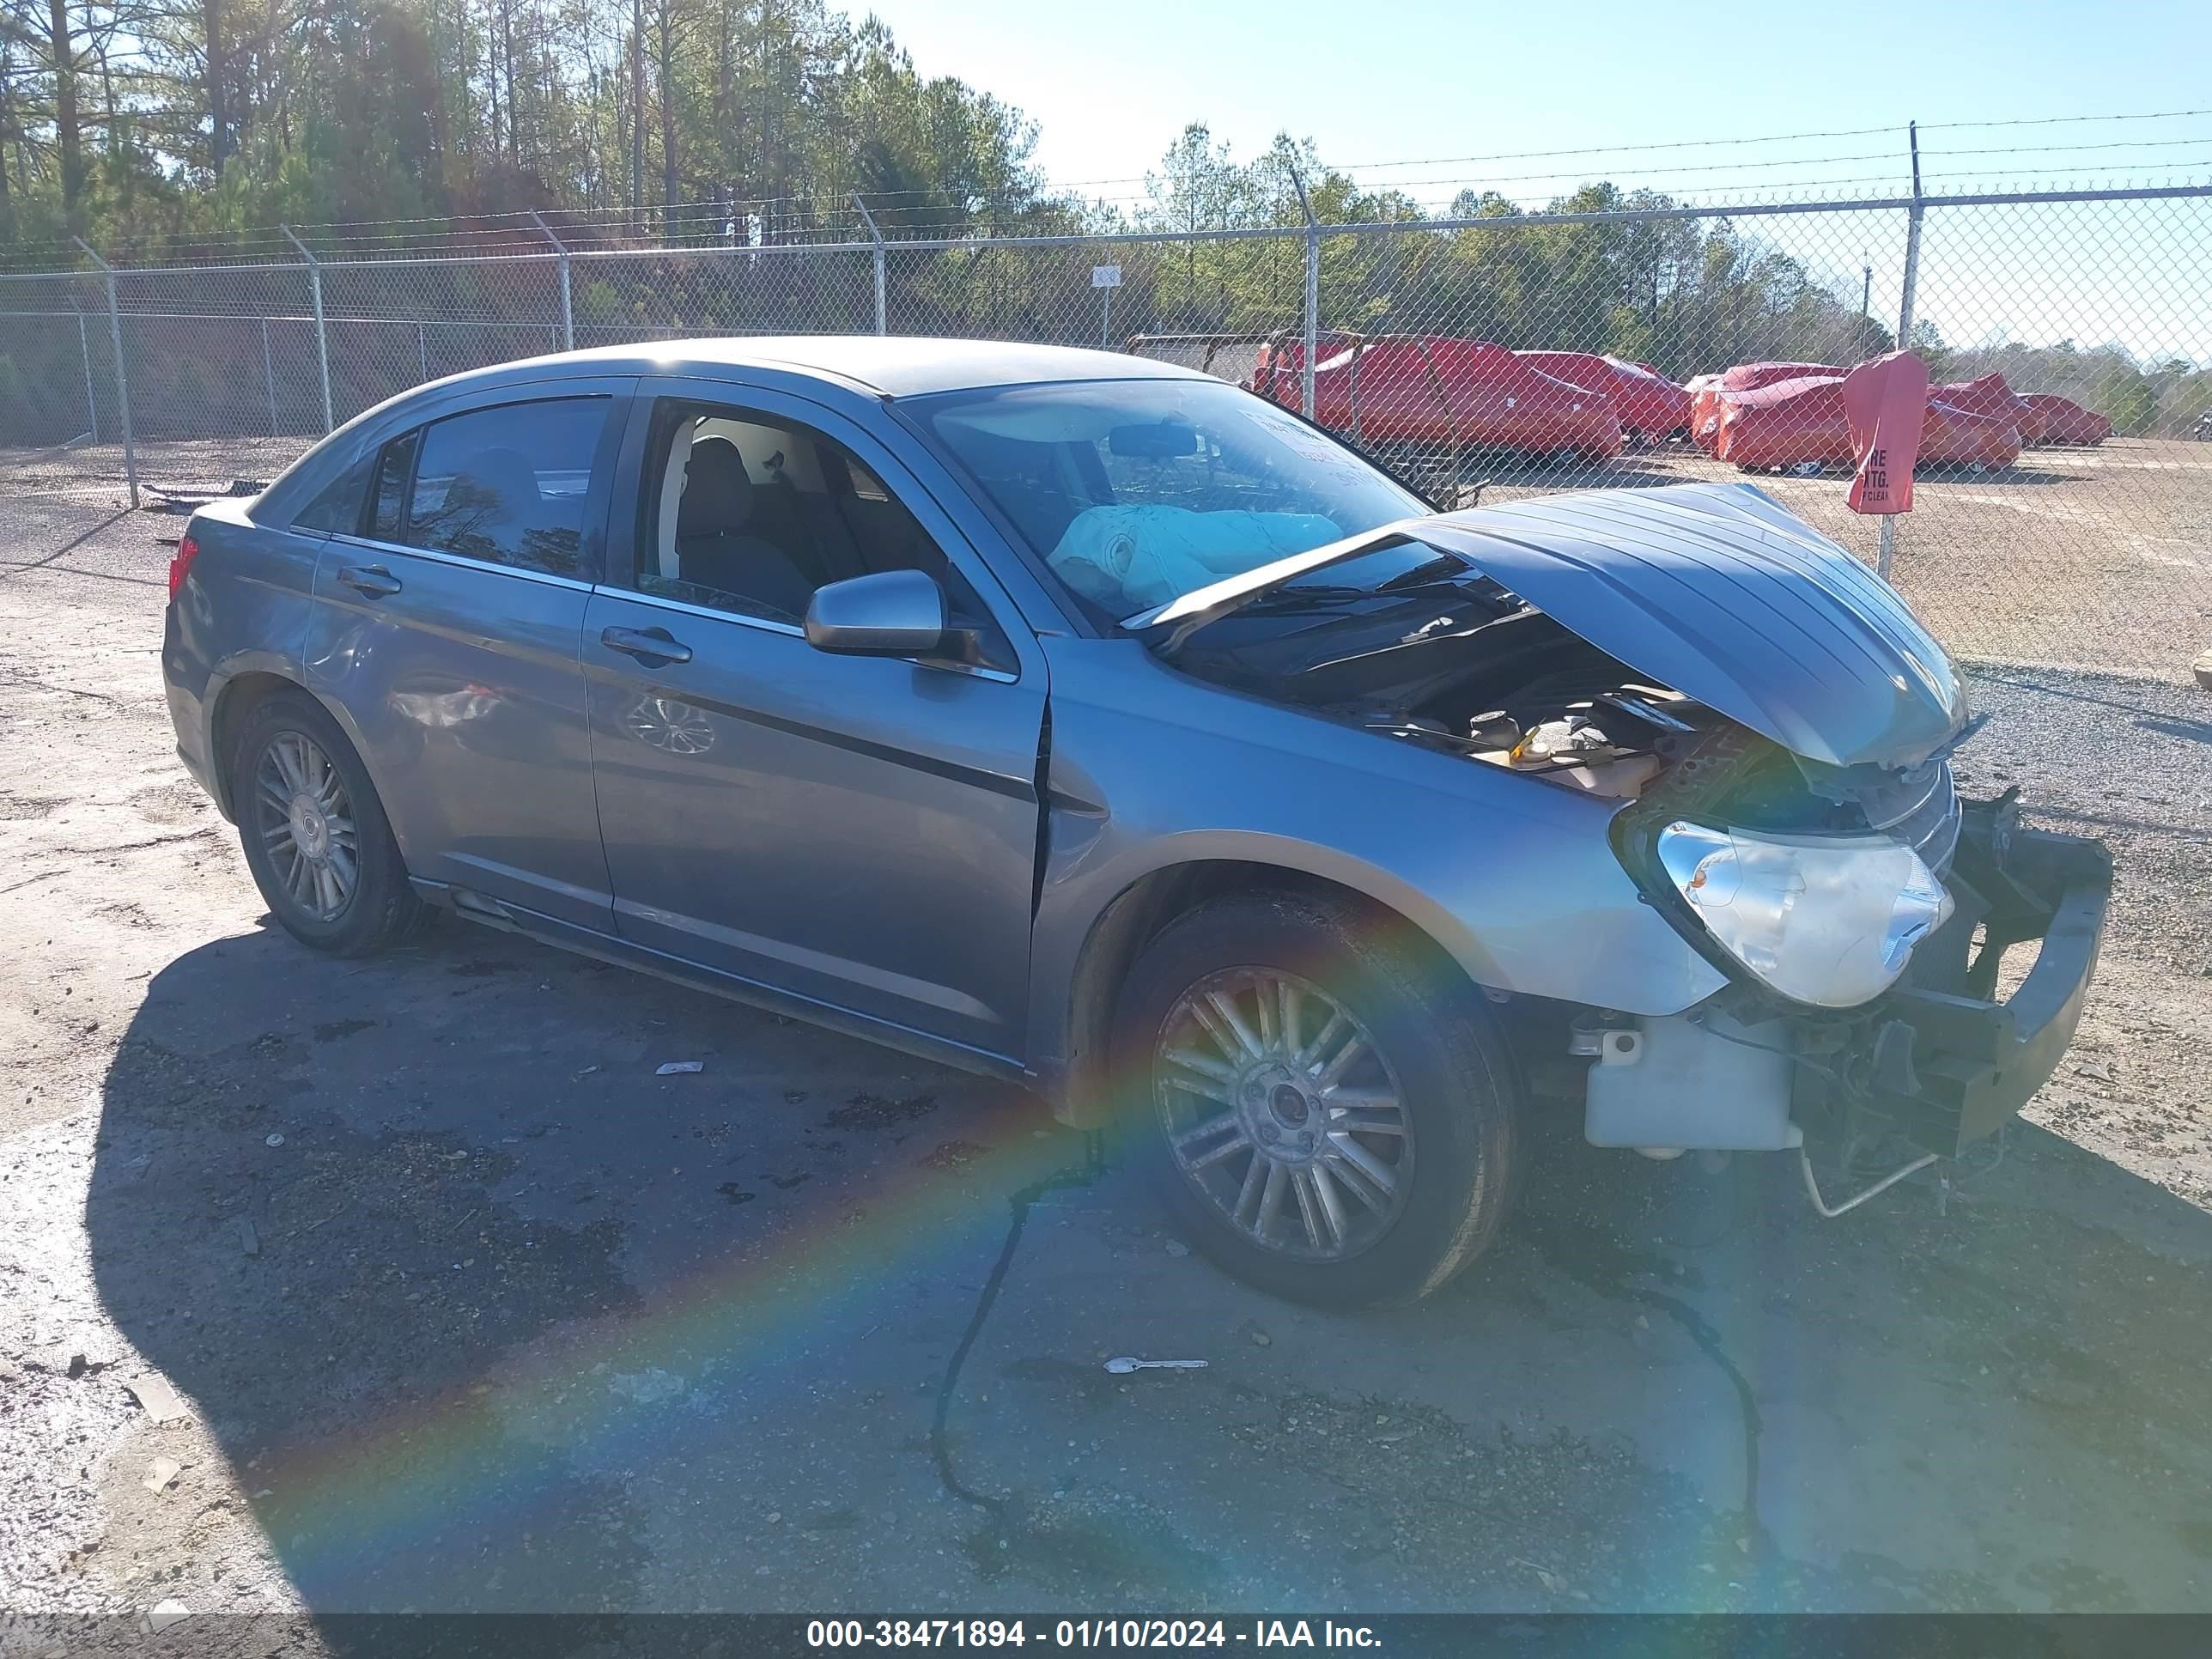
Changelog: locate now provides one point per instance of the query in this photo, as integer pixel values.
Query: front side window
(508, 485)
(1135, 492)
(748, 512)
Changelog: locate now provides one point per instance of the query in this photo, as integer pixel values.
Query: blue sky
(1428, 84)
(1111, 85)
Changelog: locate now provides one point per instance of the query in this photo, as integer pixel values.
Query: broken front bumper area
(1939, 1059)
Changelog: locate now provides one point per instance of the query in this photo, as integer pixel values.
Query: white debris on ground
(62, 1364)
(95, 1442)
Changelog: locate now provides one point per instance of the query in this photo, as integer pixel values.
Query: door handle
(648, 645)
(371, 581)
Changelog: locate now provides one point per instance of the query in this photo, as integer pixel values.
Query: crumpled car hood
(1711, 589)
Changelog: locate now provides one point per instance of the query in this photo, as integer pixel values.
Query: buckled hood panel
(1713, 589)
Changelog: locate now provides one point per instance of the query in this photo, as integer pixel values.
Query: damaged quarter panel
(1515, 878)
(254, 622)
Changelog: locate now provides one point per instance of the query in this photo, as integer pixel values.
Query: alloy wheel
(306, 822)
(1279, 1108)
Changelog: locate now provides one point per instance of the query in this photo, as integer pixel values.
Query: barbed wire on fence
(1712, 173)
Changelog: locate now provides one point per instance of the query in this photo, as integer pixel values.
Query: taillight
(180, 562)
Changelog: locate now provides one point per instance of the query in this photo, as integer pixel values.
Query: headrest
(718, 496)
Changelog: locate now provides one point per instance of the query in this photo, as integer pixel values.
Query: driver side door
(859, 831)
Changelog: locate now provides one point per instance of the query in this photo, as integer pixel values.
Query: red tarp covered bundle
(2063, 421)
(1953, 436)
(1762, 415)
(1649, 402)
(1705, 397)
(1581, 368)
(1789, 422)
(1433, 389)
(1646, 401)
(1750, 377)
(1990, 396)
(1704, 409)
(1801, 422)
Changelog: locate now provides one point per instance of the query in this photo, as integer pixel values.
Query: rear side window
(508, 485)
(393, 472)
(336, 508)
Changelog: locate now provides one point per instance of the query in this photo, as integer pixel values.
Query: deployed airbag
(1128, 557)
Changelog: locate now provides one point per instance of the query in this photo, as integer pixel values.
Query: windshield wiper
(1320, 595)
(1302, 594)
(1444, 567)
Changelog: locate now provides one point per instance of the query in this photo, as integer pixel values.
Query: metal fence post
(1312, 298)
(876, 236)
(122, 376)
(567, 299)
(322, 333)
(269, 375)
(1888, 549)
(91, 402)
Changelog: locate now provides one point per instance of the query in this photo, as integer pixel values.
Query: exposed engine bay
(1469, 668)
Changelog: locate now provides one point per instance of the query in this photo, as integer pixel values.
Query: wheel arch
(234, 700)
(233, 705)
(1079, 1090)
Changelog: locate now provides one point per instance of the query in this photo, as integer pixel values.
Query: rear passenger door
(445, 629)
(858, 831)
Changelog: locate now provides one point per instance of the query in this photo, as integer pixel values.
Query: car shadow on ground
(484, 1315)
(446, 1269)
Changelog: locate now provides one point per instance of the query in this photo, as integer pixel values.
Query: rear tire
(1327, 1114)
(314, 833)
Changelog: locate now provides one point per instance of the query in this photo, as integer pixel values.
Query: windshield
(1136, 492)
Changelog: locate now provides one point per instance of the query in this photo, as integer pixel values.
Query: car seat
(717, 545)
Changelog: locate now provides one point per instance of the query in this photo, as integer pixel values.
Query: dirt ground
(336, 1286)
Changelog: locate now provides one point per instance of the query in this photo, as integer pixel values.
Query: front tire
(1326, 1114)
(315, 832)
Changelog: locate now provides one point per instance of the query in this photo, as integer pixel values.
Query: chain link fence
(2062, 512)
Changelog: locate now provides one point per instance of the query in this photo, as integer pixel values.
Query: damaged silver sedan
(1087, 721)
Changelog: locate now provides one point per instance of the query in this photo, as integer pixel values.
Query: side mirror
(892, 613)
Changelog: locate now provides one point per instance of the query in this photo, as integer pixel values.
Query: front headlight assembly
(1825, 920)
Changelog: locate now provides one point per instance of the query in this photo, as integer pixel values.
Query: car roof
(895, 366)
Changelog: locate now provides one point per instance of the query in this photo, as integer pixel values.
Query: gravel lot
(436, 1298)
